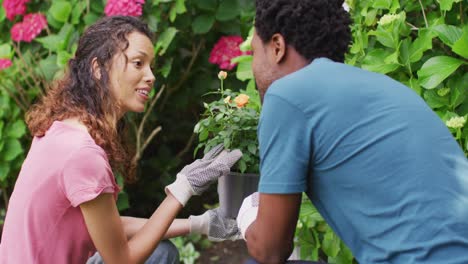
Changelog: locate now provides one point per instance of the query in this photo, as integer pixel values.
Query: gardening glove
(247, 213)
(215, 226)
(195, 178)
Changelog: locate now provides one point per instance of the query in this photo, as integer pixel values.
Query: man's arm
(270, 237)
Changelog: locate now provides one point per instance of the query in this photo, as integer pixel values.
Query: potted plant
(232, 120)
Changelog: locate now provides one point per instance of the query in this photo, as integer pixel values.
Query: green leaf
(177, 8)
(405, 51)
(180, 7)
(77, 12)
(446, 5)
(203, 135)
(196, 129)
(202, 24)
(165, 40)
(437, 69)
(244, 70)
(62, 39)
(459, 91)
(331, 244)
(460, 47)
(122, 201)
(434, 100)
(90, 18)
(242, 166)
(208, 5)
(382, 4)
(420, 45)
(63, 57)
(2, 124)
(448, 34)
(16, 130)
(157, 2)
(54, 23)
(60, 10)
(344, 257)
(242, 58)
(166, 68)
(252, 148)
(2, 14)
(51, 42)
(5, 51)
(12, 149)
(48, 67)
(227, 10)
(375, 61)
(384, 37)
(4, 169)
(392, 58)
(414, 84)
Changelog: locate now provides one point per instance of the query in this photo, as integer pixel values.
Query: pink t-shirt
(44, 223)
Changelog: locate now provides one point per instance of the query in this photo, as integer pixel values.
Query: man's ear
(96, 69)
(279, 47)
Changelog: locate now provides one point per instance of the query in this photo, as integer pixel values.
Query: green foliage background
(423, 44)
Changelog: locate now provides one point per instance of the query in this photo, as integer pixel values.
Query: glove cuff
(180, 189)
(245, 219)
(199, 224)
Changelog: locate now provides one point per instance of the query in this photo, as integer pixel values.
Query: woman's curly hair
(315, 28)
(80, 94)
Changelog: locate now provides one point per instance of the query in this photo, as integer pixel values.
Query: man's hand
(247, 213)
(195, 178)
(215, 226)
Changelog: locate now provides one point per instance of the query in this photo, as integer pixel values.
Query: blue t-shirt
(377, 162)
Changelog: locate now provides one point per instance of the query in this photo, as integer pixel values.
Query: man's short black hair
(315, 28)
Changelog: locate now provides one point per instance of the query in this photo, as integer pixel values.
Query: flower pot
(233, 188)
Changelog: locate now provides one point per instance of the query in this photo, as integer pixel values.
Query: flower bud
(222, 75)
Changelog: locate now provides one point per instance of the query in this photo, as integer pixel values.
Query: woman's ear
(96, 69)
(279, 47)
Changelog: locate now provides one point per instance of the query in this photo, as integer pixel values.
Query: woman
(63, 206)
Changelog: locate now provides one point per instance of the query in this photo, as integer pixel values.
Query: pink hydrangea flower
(14, 7)
(124, 7)
(226, 49)
(29, 28)
(4, 63)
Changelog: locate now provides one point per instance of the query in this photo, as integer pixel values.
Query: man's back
(378, 164)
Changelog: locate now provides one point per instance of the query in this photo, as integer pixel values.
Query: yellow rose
(222, 75)
(241, 100)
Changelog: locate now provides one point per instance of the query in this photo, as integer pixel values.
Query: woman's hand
(215, 226)
(195, 178)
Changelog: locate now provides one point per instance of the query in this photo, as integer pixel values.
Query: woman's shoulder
(68, 138)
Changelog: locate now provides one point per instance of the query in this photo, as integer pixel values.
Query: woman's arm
(131, 225)
(107, 232)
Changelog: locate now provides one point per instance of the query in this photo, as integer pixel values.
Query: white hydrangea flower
(456, 122)
(388, 18)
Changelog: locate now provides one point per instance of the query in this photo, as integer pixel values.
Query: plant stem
(170, 90)
(139, 132)
(424, 13)
(461, 13)
(222, 88)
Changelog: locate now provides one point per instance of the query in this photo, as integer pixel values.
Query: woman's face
(131, 78)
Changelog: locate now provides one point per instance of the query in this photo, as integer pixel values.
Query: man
(376, 161)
